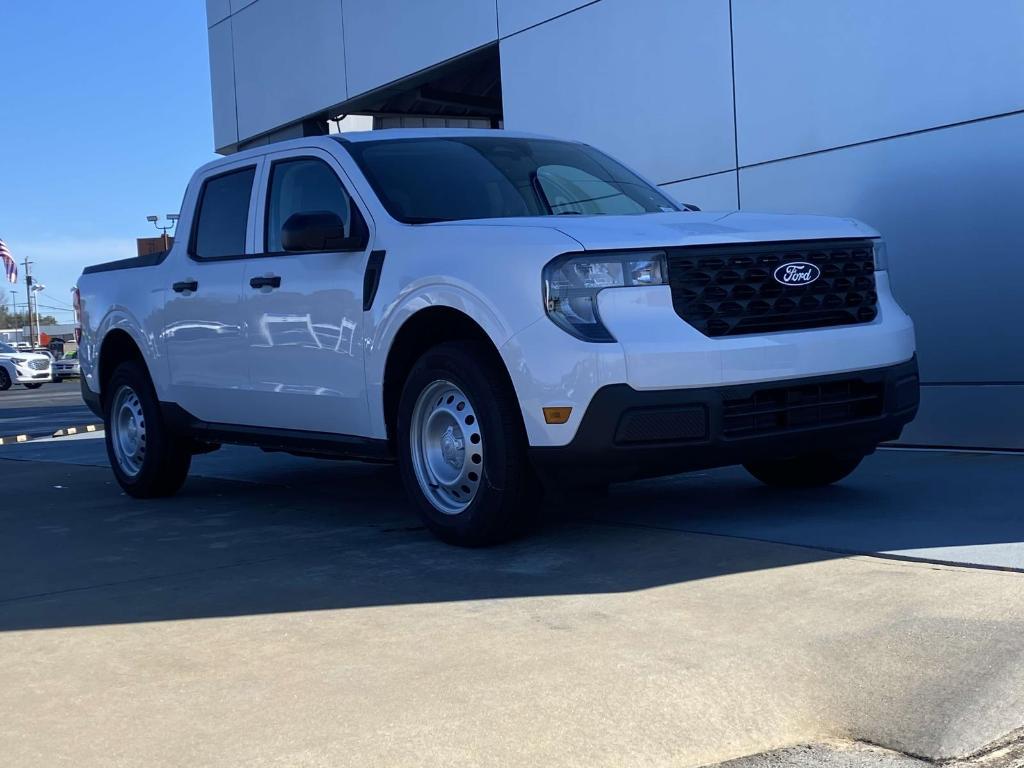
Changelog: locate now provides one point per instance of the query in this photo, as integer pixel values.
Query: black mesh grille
(730, 290)
(661, 425)
(778, 409)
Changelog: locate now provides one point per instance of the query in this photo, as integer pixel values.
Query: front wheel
(462, 447)
(148, 460)
(5, 380)
(812, 471)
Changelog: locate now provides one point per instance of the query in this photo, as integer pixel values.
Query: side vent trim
(371, 278)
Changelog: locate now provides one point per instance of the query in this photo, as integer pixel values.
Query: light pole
(172, 221)
(34, 312)
(28, 296)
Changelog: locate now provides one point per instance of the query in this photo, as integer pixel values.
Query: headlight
(18, 360)
(881, 256)
(571, 285)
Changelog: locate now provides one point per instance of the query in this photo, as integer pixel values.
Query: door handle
(186, 285)
(266, 282)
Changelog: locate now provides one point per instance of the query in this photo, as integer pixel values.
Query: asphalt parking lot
(285, 611)
(43, 411)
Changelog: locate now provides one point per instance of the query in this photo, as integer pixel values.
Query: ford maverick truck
(498, 313)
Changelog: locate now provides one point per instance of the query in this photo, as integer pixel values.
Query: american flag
(10, 265)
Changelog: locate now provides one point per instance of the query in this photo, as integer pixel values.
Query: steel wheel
(447, 447)
(128, 431)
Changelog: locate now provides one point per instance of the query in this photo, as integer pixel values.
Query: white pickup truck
(497, 312)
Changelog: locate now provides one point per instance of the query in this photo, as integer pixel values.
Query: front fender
(500, 324)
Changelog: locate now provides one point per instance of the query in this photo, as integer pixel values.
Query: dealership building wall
(907, 115)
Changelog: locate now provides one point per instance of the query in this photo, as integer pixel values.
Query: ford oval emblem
(797, 273)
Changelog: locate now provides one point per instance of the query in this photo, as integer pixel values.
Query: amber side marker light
(557, 415)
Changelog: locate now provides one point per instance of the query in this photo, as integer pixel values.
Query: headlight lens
(571, 285)
(18, 360)
(881, 256)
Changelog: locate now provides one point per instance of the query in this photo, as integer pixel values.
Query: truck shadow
(320, 536)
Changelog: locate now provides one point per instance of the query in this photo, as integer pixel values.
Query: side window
(305, 185)
(223, 215)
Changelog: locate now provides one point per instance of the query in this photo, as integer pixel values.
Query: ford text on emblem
(797, 273)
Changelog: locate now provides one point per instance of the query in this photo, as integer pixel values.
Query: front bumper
(658, 351)
(628, 434)
(30, 376)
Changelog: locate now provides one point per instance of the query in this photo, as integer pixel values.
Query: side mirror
(319, 231)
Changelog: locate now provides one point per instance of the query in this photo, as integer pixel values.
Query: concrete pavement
(845, 754)
(302, 617)
(942, 506)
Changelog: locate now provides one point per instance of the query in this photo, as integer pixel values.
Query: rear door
(304, 310)
(203, 326)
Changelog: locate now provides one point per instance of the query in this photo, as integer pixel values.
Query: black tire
(5, 380)
(32, 386)
(166, 458)
(812, 471)
(508, 493)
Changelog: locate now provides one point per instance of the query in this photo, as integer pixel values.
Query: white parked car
(495, 312)
(67, 367)
(30, 369)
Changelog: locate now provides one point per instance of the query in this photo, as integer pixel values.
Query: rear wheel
(5, 379)
(148, 460)
(462, 447)
(810, 471)
(32, 386)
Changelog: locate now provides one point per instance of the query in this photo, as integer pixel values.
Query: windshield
(423, 180)
(6, 349)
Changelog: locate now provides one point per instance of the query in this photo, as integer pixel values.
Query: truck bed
(149, 260)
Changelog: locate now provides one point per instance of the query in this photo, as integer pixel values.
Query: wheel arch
(422, 330)
(8, 368)
(118, 346)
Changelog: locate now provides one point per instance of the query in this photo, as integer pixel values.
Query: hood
(24, 355)
(686, 228)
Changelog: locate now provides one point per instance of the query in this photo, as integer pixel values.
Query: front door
(303, 310)
(203, 327)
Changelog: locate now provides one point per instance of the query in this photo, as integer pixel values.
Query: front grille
(38, 365)
(731, 290)
(778, 409)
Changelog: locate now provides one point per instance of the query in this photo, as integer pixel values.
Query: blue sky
(104, 114)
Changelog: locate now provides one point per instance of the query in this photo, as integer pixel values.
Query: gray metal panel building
(907, 115)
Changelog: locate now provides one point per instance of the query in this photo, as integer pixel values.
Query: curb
(68, 431)
(64, 432)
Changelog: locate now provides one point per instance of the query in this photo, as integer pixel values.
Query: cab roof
(390, 134)
(354, 137)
